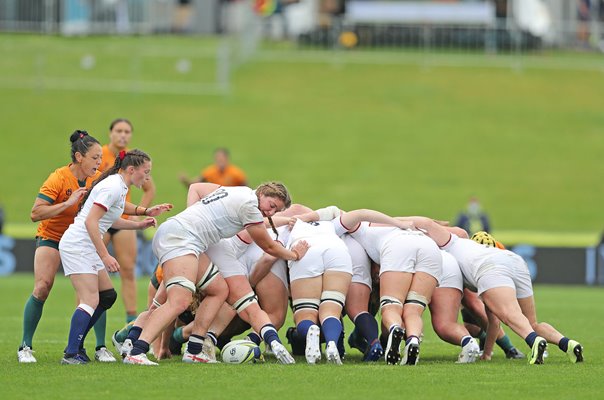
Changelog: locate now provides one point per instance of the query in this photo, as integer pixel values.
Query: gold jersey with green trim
(57, 188)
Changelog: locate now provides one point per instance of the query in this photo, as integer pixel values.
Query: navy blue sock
(303, 326)
(563, 344)
(269, 333)
(79, 322)
(530, 339)
(465, 340)
(135, 333)
(254, 337)
(332, 328)
(195, 344)
(139, 347)
(98, 313)
(367, 326)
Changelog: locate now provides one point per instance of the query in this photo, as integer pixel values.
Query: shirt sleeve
(106, 197)
(51, 188)
(249, 214)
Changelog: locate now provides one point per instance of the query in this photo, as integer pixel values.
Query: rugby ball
(240, 352)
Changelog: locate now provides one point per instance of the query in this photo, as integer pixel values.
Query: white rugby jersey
(373, 238)
(315, 233)
(221, 214)
(110, 194)
(253, 252)
(476, 259)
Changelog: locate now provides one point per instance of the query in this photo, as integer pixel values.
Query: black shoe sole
(578, 353)
(393, 356)
(412, 354)
(540, 351)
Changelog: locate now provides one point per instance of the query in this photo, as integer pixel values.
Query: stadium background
(411, 128)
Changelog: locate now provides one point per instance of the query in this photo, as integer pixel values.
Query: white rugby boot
(104, 355)
(313, 345)
(25, 355)
(332, 353)
(126, 348)
(281, 353)
(469, 353)
(139, 359)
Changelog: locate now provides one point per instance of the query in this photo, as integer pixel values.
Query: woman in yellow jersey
(124, 241)
(55, 207)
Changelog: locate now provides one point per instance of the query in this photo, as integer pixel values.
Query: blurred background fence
(239, 29)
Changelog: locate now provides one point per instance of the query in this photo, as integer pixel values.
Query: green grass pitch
(404, 133)
(397, 132)
(576, 311)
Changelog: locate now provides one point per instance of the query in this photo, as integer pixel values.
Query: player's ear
(78, 156)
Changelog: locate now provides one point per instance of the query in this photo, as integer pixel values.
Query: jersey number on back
(215, 195)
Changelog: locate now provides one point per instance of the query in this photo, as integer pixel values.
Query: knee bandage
(245, 301)
(389, 301)
(305, 305)
(107, 298)
(417, 299)
(207, 278)
(331, 296)
(182, 282)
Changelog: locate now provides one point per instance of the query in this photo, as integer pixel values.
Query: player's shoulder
(60, 174)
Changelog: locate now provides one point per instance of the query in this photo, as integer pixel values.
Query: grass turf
(573, 310)
(399, 132)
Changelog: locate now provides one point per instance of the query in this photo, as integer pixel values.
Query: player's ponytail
(270, 221)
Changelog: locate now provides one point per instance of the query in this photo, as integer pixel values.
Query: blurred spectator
(222, 172)
(330, 10)
(588, 10)
(182, 16)
(473, 219)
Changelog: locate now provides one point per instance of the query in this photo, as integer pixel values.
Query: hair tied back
(122, 155)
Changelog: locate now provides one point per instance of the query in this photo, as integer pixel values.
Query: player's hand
(486, 356)
(292, 222)
(301, 248)
(110, 263)
(147, 223)
(158, 209)
(76, 196)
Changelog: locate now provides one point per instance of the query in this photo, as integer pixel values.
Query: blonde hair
(276, 190)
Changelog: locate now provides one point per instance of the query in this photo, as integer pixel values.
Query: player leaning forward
(502, 280)
(213, 213)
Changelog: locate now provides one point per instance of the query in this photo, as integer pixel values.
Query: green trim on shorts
(154, 280)
(41, 242)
